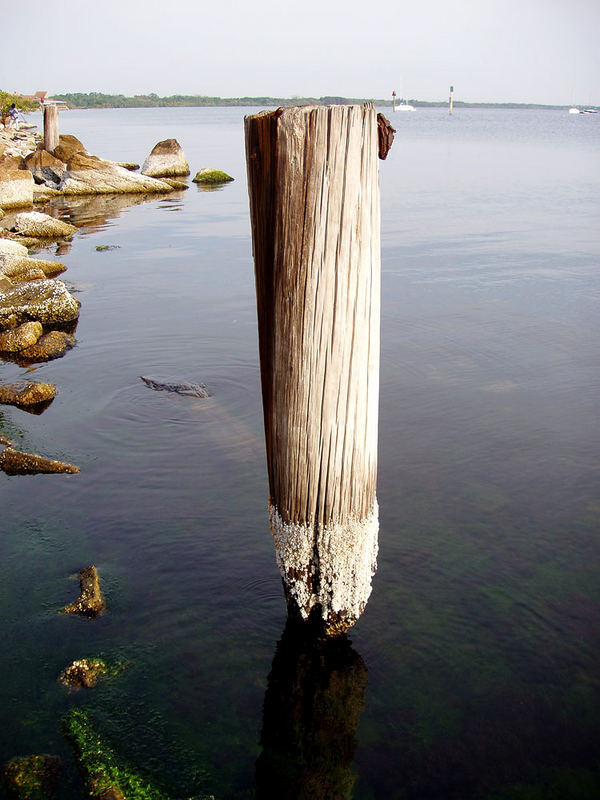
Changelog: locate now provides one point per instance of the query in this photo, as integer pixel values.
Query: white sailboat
(402, 104)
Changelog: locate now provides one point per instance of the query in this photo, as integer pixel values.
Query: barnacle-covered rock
(42, 226)
(47, 301)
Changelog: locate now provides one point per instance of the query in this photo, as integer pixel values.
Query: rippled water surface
(474, 671)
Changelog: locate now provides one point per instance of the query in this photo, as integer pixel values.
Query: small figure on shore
(13, 117)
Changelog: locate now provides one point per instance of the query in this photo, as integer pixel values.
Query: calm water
(474, 671)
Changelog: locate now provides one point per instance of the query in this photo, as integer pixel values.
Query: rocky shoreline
(38, 314)
(38, 321)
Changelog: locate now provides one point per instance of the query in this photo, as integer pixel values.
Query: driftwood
(314, 201)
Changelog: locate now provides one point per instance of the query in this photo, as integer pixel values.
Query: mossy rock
(31, 777)
(212, 176)
(105, 776)
(86, 672)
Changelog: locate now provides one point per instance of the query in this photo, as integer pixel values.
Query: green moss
(104, 774)
(86, 672)
(31, 777)
(212, 176)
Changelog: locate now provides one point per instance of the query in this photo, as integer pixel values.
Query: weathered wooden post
(451, 101)
(314, 204)
(50, 127)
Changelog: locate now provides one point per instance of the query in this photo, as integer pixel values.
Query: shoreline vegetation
(100, 100)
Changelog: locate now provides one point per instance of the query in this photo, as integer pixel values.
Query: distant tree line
(100, 100)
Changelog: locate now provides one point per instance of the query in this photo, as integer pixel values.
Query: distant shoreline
(100, 100)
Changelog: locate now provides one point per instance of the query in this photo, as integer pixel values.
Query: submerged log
(314, 201)
(33, 776)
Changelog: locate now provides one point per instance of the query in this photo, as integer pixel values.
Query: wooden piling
(50, 127)
(314, 203)
(451, 101)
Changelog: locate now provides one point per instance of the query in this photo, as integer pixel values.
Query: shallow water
(473, 672)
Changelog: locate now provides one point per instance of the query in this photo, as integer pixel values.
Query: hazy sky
(544, 51)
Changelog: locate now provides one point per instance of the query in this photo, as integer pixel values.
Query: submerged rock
(90, 603)
(51, 345)
(167, 160)
(83, 673)
(24, 394)
(211, 176)
(105, 776)
(43, 226)
(190, 389)
(13, 462)
(31, 777)
(47, 301)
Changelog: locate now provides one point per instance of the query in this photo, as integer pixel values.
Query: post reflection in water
(313, 703)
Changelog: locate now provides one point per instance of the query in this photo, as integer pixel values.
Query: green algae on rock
(31, 777)
(84, 673)
(105, 776)
(211, 176)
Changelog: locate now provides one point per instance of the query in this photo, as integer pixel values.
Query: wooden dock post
(50, 127)
(314, 202)
(451, 102)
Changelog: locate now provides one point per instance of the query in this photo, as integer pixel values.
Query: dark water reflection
(313, 703)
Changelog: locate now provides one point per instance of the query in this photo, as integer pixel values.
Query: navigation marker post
(451, 99)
